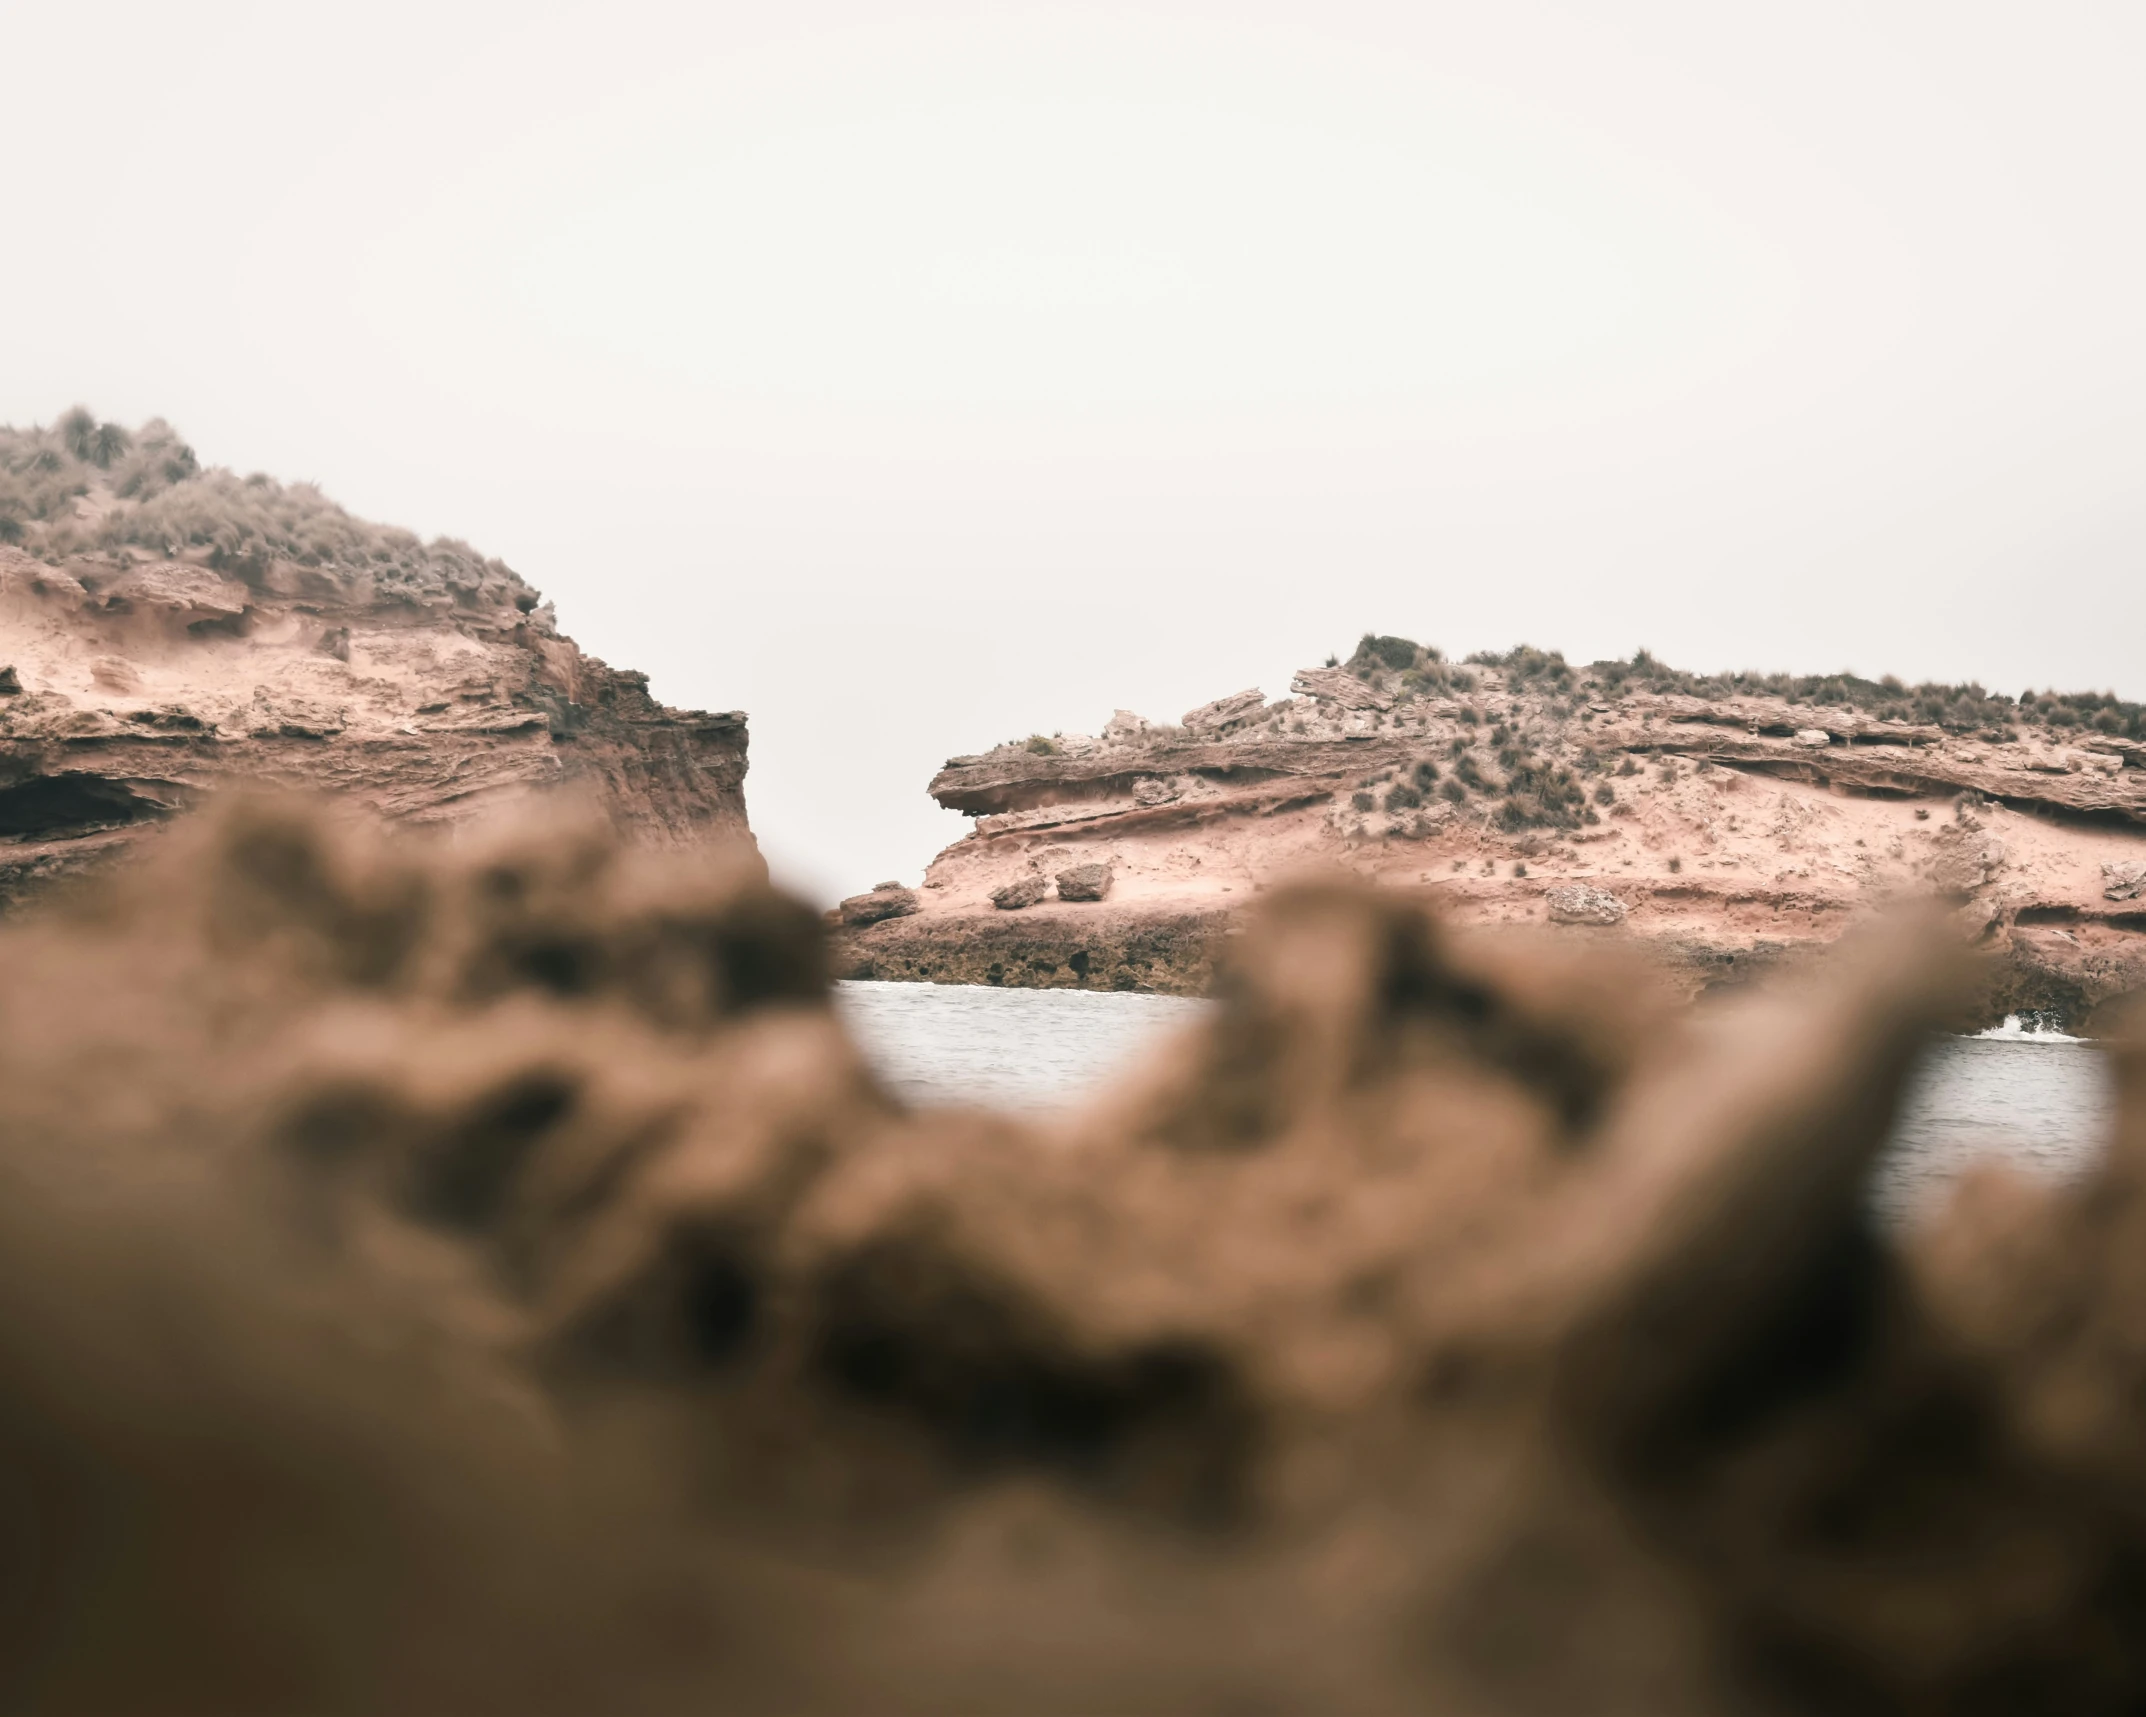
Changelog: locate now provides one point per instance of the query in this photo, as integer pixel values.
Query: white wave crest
(2032, 1030)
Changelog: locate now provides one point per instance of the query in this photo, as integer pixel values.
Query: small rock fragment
(2122, 880)
(1022, 891)
(1578, 903)
(1090, 881)
(886, 900)
(116, 674)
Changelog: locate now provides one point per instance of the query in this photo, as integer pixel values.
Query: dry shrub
(163, 500)
(487, 1278)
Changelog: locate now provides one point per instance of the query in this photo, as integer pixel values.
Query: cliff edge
(167, 629)
(1727, 823)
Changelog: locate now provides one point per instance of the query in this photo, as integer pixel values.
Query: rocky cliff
(167, 630)
(1726, 823)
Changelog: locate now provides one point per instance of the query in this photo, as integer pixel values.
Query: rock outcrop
(1736, 823)
(1226, 713)
(1579, 903)
(159, 645)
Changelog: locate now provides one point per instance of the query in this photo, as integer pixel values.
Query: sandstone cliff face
(205, 631)
(1726, 827)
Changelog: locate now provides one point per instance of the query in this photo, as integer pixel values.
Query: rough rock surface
(1579, 903)
(886, 900)
(1341, 688)
(136, 686)
(499, 1285)
(1024, 891)
(1089, 881)
(1225, 713)
(1741, 829)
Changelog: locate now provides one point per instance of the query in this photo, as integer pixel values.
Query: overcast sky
(917, 376)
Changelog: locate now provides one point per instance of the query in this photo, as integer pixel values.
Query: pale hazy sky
(915, 376)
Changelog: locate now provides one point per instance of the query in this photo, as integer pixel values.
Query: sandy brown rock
(1090, 881)
(1577, 903)
(886, 900)
(499, 1272)
(1339, 686)
(1023, 891)
(1225, 713)
(1740, 832)
(142, 687)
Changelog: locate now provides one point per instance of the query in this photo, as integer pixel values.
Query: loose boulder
(1580, 903)
(886, 900)
(1089, 881)
(1225, 713)
(1022, 891)
(1815, 737)
(2123, 881)
(1964, 860)
(116, 674)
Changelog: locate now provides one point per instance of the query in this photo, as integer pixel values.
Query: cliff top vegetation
(82, 486)
(1967, 707)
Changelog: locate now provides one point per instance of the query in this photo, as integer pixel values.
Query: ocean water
(2040, 1100)
(1014, 1049)
(2035, 1097)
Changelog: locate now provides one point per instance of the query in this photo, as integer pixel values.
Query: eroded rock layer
(498, 1285)
(166, 632)
(1726, 826)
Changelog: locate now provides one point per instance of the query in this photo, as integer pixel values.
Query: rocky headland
(1724, 823)
(167, 630)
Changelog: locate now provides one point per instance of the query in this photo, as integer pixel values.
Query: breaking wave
(2030, 1027)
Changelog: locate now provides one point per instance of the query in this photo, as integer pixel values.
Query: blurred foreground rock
(487, 1278)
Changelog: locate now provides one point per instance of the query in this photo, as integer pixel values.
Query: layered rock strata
(136, 680)
(1725, 832)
